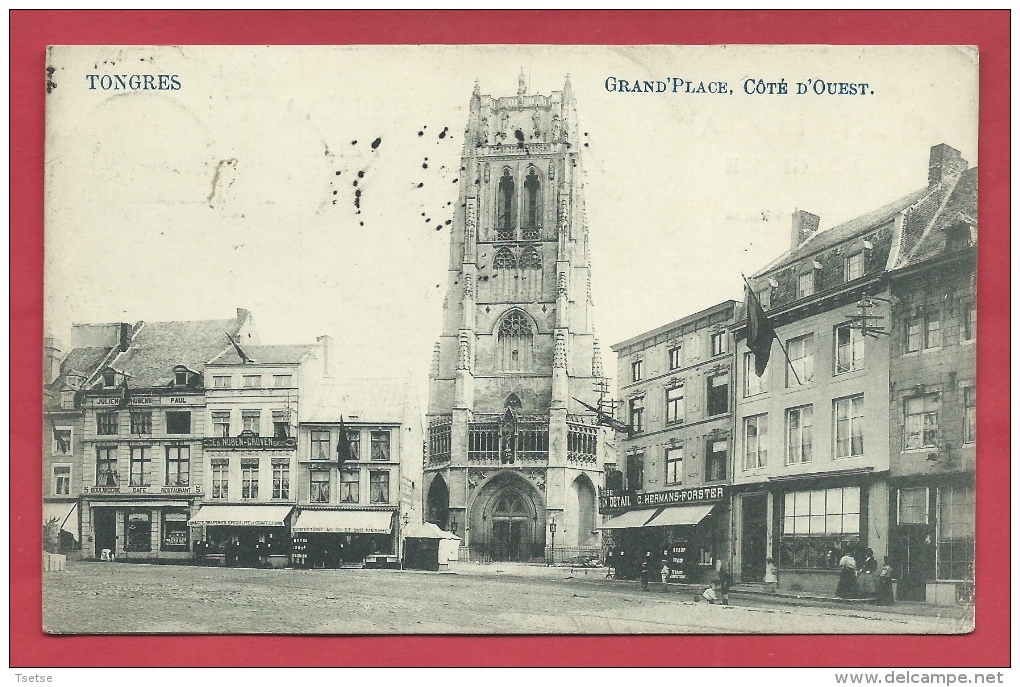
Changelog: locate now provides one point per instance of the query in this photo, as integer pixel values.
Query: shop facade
(337, 537)
(685, 528)
(243, 535)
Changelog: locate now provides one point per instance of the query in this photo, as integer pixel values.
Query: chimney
(125, 336)
(52, 356)
(804, 224)
(326, 342)
(944, 162)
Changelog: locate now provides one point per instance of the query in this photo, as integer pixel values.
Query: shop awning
(242, 516)
(65, 514)
(347, 521)
(680, 515)
(632, 518)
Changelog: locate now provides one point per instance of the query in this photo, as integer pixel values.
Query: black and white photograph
(510, 340)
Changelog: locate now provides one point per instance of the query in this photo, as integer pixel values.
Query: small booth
(429, 547)
(335, 538)
(247, 535)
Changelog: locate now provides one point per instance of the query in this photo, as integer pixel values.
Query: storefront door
(916, 554)
(753, 535)
(105, 528)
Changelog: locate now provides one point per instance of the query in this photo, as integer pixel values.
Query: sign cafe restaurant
(684, 527)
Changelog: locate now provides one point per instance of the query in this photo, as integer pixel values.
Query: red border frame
(32, 31)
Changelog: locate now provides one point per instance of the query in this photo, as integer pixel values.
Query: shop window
(283, 381)
(178, 466)
(819, 526)
(756, 441)
(675, 357)
(62, 441)
(674, 405)
(175, 531)
(969, 415)
(250, 478)
(141, 459)
(61, 480)
(220, 478)
(221, 381)
(350, 487)
(955, 553)
(715, 459)
(853, 267)
(921, 422)
(379, 487)
(799, 422)
(381, 445)
(281, 478)
(252, 381)
(675, 465)
(318, 486)
(141, 422)
(251, 421)
(320, 444)
(718, 343)
(281, 424)
(221, 423)
(637, 414)
(354, 441)
(636, 368)
(753, 384)
(139, 531)
(718, 394)
(106, 466)
(968, 321)
(802, 360)
(849, 355)
(912, 506)
(106, 423)
(848, 414)
(178, 422)
(636, 472)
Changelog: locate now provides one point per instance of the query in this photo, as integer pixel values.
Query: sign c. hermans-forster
(625, 500)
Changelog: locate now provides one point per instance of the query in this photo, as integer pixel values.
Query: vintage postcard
(510, 339)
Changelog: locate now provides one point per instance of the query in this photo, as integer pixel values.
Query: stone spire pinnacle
(522, 88)
(477, 92)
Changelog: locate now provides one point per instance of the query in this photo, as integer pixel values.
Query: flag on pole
(343, 447)
(759, 332)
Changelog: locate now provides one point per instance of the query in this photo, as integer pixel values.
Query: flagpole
(786, 355)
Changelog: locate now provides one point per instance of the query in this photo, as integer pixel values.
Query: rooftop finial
(566, 87)
(521, 87)
(478, 89)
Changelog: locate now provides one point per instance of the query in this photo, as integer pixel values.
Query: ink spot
(420, 185)
(455, 181)
(449, 221)
(375, 143)
(338, 173)
(361, 174)
(442, 134)
(585, 144)
(421, 133)
(424, 165)
(334, 193)
(354, 142)
(519, 135)
(355, 184)
(361, 224)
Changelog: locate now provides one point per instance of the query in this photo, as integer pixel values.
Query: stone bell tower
(510, 450)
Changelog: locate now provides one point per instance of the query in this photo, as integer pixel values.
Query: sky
(238, 189)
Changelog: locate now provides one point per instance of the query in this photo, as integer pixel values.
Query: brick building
(511, 453)
(675, 385)
(933, 393)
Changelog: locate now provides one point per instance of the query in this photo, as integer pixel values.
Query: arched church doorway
(512, 534)
(437, 505)
(584, 492)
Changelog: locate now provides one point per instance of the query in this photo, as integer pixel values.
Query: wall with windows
(372, 478)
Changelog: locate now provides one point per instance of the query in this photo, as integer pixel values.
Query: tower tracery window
(532, 204)
(515, 342)
(531, 258)
(506, 205)
(504, 259)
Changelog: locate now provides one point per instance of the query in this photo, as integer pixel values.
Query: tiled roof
(961, 206)
(265, 355)
(160, 346)
(360, 400)
(827, 238)
(84, 360)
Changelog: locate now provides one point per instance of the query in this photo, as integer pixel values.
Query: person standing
(884, 592)
(847, 576)
(645, 572)
(664, 574)
(771, 576)
(866, 580)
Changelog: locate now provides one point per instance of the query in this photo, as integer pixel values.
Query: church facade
(513, 460)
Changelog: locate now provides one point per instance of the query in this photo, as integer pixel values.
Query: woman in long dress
(866, 580)
(847, 576)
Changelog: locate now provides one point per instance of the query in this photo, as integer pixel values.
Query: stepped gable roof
(833, 236)
(360, 400)
(264, 355)
(960, 207)
(158, 347)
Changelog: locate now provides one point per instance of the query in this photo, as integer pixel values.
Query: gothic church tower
(510, 451)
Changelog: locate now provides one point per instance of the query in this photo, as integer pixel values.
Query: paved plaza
(92, 597)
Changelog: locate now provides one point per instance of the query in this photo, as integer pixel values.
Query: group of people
(861, 581)
(718, 590)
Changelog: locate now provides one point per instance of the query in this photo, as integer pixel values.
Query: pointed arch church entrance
(512, 521)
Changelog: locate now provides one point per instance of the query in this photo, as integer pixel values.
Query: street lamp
(552, 548)
(453, 524)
